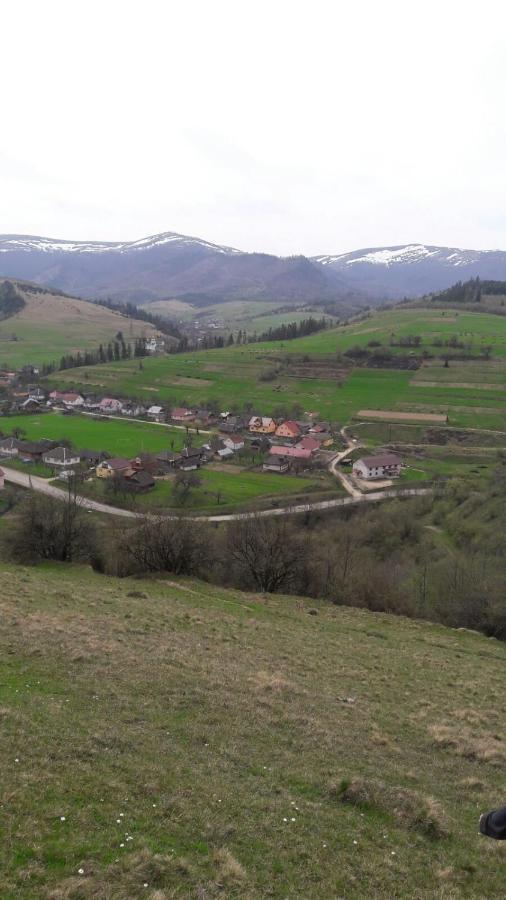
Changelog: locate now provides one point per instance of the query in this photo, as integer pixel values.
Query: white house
(110, 405)
(156, 413)
(219, 448)
(61, 456)
(384, 465)
(234, 442)
(68, 399)
(9, 447)
(154, 344)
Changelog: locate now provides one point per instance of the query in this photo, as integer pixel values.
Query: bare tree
(159, 544)
(267, 551)
(47, 528)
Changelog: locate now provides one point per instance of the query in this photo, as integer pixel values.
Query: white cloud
(283, 126)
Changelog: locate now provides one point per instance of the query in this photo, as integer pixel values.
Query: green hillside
(172, 739)
(318, 374)
(49, 325)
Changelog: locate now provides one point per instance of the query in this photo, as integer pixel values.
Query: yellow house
(262, 425)
(109, 467)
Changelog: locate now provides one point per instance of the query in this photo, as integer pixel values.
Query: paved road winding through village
(35, 483)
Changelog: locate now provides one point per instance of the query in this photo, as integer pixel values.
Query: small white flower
(154, 804)
(62, 818)
(80, 871)
(122, 845)
(393, 852)
(285, 820)
(293, 820)
(122, 814)
(118, 821)
(17, 759)
(355, 842)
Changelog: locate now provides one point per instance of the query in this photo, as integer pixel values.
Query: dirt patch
(390, 415)
(191, 382)
(456, 384)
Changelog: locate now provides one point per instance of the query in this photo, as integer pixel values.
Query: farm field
(171, 738)
(51, 325)
(307, 373)
(118, 437)
(218, 490)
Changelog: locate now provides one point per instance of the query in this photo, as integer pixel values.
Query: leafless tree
(47, 528)
(160, 544)
(267, 550)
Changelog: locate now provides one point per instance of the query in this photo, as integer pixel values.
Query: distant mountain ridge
(166, 265)
(413, 269)
(172, 265)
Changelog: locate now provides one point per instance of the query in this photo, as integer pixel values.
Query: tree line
(380, 558)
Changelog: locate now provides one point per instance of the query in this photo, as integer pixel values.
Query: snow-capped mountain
(175, 265)
(413, 269)
(165, 265)
(27, 243)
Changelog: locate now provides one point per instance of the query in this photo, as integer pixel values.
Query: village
(209, 438)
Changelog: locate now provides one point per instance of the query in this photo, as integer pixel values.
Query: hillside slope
(166, 265)
(172, 739)
(51, 324)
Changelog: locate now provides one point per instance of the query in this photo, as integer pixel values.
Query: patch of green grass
(210, 727)
(32, 468)
(217, 492)
(233, 375)
(118, 437)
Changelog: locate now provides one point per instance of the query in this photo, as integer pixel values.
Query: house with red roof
(288, 429)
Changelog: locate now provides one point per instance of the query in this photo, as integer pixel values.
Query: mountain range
(171, 265)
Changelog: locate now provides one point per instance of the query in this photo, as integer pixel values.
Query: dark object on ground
(493, 824)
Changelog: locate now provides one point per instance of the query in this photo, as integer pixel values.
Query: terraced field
(310, 372)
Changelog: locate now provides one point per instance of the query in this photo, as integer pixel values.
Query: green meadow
(219, 491)
(85, 432)
(311, 373)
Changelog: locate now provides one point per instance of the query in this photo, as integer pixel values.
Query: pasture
(51, 325)
(171, 738)
(310, 373)
(118, 437)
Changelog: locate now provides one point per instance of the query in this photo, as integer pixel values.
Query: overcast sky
(282, 126)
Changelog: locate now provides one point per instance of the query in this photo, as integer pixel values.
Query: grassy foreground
(171, 739)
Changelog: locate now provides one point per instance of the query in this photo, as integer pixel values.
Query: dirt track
(388, 415)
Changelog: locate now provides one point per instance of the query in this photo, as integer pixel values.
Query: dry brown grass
(461, 740)
(409, 808)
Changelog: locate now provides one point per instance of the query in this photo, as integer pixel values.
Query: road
(35, 483)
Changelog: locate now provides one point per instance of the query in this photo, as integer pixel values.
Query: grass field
(233, 376)
(50, 326)
(246, 315)
(118, 437)
(218, 492)
(173, 739)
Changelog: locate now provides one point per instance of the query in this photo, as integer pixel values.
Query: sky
(282, 126)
